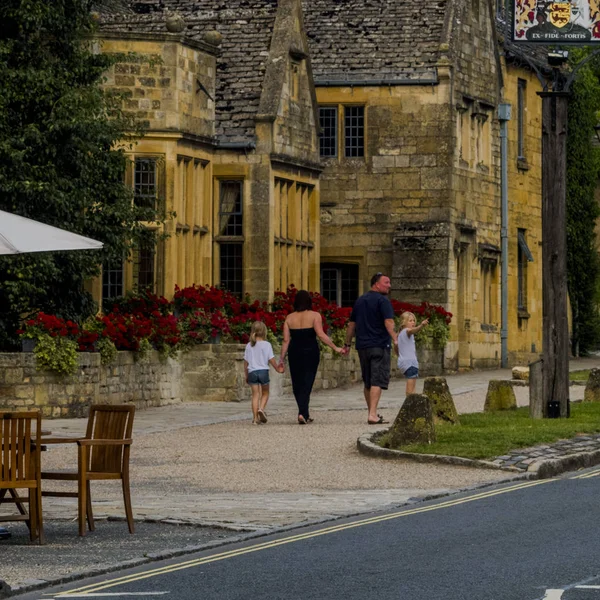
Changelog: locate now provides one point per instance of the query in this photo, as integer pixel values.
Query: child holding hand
(257, 358)
(407, 350)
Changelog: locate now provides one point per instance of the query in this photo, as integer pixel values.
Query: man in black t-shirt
(372, 320)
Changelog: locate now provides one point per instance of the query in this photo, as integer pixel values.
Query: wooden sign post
(555, 337)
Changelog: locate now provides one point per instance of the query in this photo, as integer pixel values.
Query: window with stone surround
(230, 208)
(488, 292)
(524, 256)
(521, 110)
(144, 267)
(232, 267)
(230, 230)
(145, 183)
(354, 131)
(346, 137)
(112, 280)
(339, 283)
(328, 118)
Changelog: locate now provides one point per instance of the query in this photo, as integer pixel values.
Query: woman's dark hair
(302, 301)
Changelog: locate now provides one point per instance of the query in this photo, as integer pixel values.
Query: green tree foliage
(62, 156)
(583, 168)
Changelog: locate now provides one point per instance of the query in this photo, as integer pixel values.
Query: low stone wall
(208, 372)
(150, 383)
(216, 372)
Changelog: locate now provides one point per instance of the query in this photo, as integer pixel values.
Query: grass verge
(579, 375)
(487, 435)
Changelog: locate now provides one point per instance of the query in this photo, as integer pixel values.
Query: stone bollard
(520, 373)
(592, 387)
(500, 396)
(437, 390)
(414, 423)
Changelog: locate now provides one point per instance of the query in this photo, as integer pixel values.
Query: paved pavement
(237, 496)
(204, 464)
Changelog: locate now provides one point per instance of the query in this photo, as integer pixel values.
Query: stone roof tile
(371, 39)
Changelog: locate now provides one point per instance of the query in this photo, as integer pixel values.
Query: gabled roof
(246, 27)
(361, 40)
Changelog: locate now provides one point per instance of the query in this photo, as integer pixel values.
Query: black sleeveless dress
(303, 356)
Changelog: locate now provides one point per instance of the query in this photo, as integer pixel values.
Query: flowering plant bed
(199, 314)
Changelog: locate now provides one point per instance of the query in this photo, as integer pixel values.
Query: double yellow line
(89, 589)
(587, 475)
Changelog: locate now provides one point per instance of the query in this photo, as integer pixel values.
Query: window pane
(112, 280)
(145, 183)
(329, 284)
(144, 273)
(354, 130)
(339, 283)
(231, 267)
(522, 275)
(328, 122)
(230, 208)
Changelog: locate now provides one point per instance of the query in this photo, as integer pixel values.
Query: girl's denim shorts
(411, 373)
(260, 377)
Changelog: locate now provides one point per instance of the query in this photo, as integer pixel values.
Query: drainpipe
(504, 118)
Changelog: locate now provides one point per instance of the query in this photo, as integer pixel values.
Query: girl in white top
(257, 358)
(407, 351)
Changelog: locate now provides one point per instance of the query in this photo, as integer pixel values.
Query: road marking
(553, 594)
(112, 594)
(588, 475)
(593, 473)
(296, 538)
(587, 587)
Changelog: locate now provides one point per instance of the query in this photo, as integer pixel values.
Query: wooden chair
(20, 468)
(102, 454)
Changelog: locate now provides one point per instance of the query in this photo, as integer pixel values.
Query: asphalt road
(528, 540)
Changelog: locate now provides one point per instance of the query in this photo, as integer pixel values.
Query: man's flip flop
(380, 421)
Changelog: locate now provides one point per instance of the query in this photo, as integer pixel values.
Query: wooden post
(555, 337)
(536, 394)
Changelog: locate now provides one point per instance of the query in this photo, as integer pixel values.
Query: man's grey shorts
(375, 367)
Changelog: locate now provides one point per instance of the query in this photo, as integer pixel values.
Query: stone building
(405, 98)
(408, 99)
(231, 149)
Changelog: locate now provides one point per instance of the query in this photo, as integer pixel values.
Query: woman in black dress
(300, 332)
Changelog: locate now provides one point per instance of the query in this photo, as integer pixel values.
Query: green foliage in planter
(434, 335)
(58, 354)
(108, 351)
(583, 167)
(62, 157)
(142, 354)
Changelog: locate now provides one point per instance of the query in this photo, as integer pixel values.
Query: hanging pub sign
(565, 22)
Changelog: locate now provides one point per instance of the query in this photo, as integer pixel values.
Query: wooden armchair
(102, 454)
(20, 466)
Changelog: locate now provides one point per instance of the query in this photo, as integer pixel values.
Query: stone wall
(216, 372)
(158, 76)
(152, 383)
(210, 372)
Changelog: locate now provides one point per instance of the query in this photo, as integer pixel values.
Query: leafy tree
(583, 169)
(63, 142)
